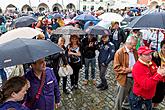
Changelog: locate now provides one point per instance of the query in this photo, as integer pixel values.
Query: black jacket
(89, 52)
(121, 35)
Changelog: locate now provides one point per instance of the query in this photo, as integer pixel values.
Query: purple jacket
(14, 105)
(50, 92)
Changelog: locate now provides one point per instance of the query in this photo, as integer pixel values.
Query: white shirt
(131, 60)
(145, 34)
(115, 35)
(153, 38)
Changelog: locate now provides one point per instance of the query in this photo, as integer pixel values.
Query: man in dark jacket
(117, 35)
(89, 46)
(106, 54)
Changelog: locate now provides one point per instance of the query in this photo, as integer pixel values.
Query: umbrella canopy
(21, 51)
(69, 30)
(24, 21)
(50, 16)
(2, 19)
(105, 24)
(134, 10)
(152, 20)
(57, 15)
(24, 32)
(111, 17)
(129, 19)
(97, 30)
(87, 24)
(86, 17)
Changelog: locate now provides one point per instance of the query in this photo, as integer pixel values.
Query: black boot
(99, 86)
(65, 91)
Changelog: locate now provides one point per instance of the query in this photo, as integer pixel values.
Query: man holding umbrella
(44, 90)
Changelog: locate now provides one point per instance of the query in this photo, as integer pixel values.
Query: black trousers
(75, 76)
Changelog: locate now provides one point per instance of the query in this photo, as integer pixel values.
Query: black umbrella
(152, 20)
(69, 30)
(97, 30)
(24, 21)
(21, 51)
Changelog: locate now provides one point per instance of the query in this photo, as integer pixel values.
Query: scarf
(162, 57)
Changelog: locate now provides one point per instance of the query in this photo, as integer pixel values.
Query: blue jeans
(91, 61)
(3, 75)
(136, 102)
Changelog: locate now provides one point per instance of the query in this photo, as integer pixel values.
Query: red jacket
(145, 79)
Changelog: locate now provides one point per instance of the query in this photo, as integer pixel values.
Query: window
(84, 7)
(101, 0)
(92, 8)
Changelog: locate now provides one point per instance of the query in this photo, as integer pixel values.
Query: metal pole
(79, 4)
(29, 3)
(157, 33)
(157, 40)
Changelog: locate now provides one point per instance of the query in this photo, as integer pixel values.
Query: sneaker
(72, 88)
(103, 88)
(99, 86)
(85, 82)
(66, 91)
(76, 87)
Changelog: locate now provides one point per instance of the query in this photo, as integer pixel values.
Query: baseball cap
(144, 50)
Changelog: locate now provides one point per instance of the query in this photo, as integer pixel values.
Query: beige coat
(121, 65)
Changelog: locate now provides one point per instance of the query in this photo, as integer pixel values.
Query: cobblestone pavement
(89, 97)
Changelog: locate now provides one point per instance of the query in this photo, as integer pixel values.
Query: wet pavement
(89, 97)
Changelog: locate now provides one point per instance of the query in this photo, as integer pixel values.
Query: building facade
(152, 3)
(53, 5)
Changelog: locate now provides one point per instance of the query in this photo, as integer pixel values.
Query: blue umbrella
(134, 10)
(86, 17)
(57, 15)
(87, 24)
(21, 51)
(50, 16)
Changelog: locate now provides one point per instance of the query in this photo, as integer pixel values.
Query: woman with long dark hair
(74, 59)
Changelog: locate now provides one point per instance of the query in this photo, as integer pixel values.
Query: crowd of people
(138, 63)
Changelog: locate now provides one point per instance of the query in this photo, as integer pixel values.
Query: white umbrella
(24, 32)
(105, 24)
(111, 17)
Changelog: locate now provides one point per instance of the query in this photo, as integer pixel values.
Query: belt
(143, 99)
(130, 77)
